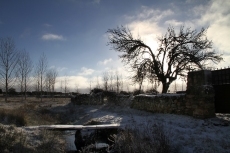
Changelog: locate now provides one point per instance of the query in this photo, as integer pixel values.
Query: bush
(96, 90)
(148, 139)
(11, 140)
(50, 142)
(151, 91)
(137, 92)
(124, 93)
(16, 117)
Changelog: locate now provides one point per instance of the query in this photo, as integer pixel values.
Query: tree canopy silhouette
(174, 57)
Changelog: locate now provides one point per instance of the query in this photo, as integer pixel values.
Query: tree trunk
(6, 94)
(165, 87)
(41, 88)
(25, 88)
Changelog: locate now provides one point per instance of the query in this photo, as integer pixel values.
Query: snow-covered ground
(186, 133)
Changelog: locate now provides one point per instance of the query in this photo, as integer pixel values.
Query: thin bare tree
(66, 87)
(8, 63)
(41, 71)
(111, 81)
(98, 83)
(90, 85)
(118, 82)
(51, 76)
(24, 69)
(61, 86)
(76, 87)
(36, 81)
(106, 80)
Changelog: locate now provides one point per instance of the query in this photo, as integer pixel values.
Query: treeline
(17, 69)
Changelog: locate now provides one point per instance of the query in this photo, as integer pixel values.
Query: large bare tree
(24, 68)
(8, 62)
(40, 72)
(176, 53)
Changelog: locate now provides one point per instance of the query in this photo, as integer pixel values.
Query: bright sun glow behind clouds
(216, 15)
(145, 25)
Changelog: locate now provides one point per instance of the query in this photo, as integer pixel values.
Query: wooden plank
(73, 127)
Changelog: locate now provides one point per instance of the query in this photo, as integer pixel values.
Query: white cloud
(59, 69)
(47, 25)
(96, 1)
(50, 36)
(105, 62)
(85, 71)
(174, 23)
(216, 16)
(72, 82)
(145, 24)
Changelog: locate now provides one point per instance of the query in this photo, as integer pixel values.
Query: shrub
(137, 92)
(11, 140)
(124, 93)
(96, 90)
(50, 142)
(151, 91)
(148, 139)
(16, 117)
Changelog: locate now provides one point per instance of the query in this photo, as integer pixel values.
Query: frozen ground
(187, 133)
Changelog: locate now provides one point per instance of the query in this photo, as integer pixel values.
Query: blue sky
(72, 33)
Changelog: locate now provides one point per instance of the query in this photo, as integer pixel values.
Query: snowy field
(185, 133)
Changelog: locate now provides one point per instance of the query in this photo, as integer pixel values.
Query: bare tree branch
(41, 71)
(24, 69)
(174, 57)
(8, 62)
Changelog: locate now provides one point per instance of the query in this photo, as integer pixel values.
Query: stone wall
(100, 98)
(199, 106)
(162, 103)
(197, 102)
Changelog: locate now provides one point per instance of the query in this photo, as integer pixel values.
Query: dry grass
(148, 139)
(17, 112)
(13, 141)
(30, 112)
(16, 117)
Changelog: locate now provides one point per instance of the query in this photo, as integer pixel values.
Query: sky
(72, 33)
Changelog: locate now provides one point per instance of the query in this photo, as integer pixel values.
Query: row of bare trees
(16, 68)
(111, 81)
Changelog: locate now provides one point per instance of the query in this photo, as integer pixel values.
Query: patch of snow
(162, 95)
(188, 133)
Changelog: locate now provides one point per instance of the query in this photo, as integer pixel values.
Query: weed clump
(150, 139)
(16, 117)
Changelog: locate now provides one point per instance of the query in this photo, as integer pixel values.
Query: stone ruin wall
(100, 98)
(192, 105)
(197, 102)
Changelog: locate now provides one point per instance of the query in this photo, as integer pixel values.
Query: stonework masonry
(197, 102)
